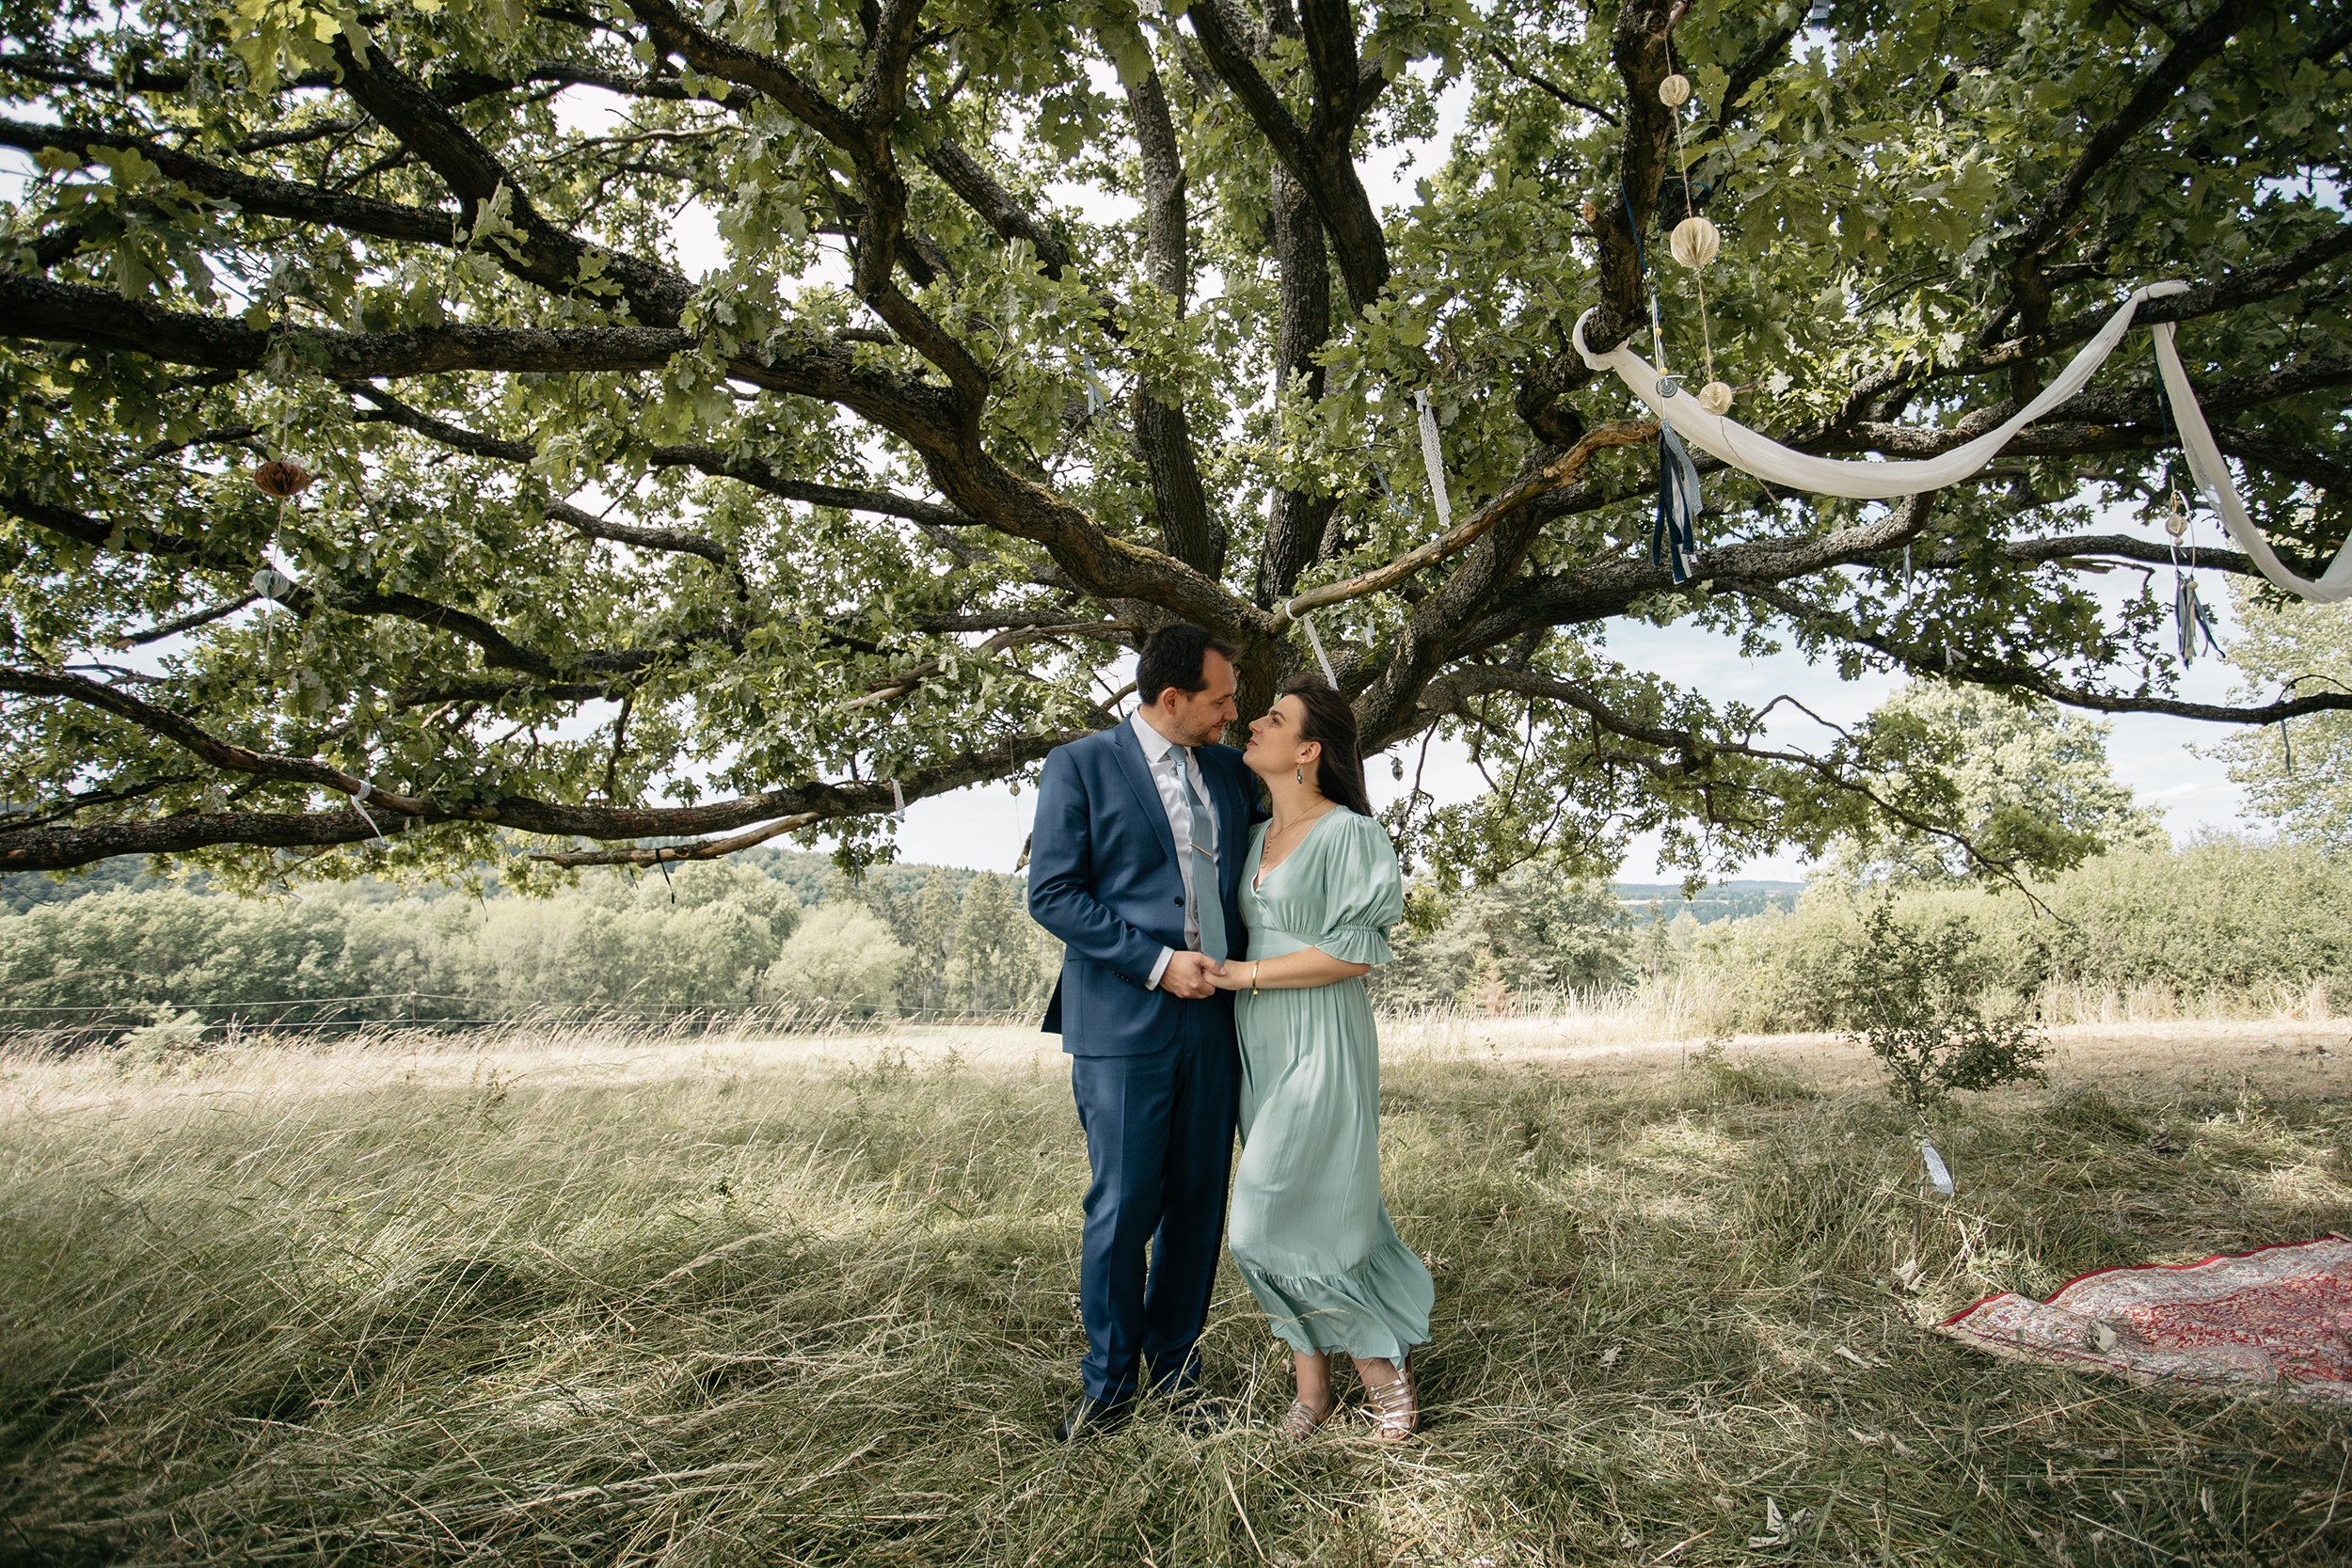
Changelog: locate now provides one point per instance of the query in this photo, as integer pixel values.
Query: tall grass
(601, 1297)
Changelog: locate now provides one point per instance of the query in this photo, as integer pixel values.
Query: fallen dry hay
(597, 1297)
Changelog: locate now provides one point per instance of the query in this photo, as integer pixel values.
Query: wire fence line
(77, 1027)
(1674, 1008)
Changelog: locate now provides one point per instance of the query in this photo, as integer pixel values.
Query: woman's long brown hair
(1331, 720)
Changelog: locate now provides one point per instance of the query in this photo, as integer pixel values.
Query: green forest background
(2220, 928)
(2105, 917)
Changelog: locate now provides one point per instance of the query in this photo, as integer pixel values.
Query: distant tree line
(2220, 925)
(707, 936)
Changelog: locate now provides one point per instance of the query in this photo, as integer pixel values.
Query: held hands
(1234, 976)
(1193, 976)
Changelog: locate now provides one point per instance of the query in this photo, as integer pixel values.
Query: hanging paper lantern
(1675, 91)
(1715, 397)
(1695, 242)
(278, 477)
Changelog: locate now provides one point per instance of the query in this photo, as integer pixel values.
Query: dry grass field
(588, 1297)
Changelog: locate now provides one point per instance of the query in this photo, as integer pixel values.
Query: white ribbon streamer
(1767, 459)
(1433, 458)
(1314, 640)
(2334, 585)
(1938, 1172)
(359, 803)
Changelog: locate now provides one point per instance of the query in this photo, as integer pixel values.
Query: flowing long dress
(1309, 1232)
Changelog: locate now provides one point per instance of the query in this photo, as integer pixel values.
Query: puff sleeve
(1364, 893)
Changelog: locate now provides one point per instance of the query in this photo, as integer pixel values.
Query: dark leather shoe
(1201, 1415)
(1090, 1415)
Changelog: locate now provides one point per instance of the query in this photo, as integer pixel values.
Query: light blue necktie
(1207, 897)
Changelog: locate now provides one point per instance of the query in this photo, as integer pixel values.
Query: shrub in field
(1787, 971)
(842, 956)
(1912, 996)
(2222, 916)
(2219, 927)
(171, 1044)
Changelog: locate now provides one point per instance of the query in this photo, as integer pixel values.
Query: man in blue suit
(1135, 865)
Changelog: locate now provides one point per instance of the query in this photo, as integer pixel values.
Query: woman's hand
(1231, 976)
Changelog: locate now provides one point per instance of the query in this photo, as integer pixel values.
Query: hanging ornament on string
(1695, 242)
(2191, 618)
(271, 586)
(1674, 542)
(284, 480)
(2191, 622)
(1673, 526)
(1673, 532)
(1433, 456)
(1098, 398)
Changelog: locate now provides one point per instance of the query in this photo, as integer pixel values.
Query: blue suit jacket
(1103, 878)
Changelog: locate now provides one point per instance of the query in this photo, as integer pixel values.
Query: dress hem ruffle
(1355, 1312)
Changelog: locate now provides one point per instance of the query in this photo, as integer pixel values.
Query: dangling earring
(1299, 774)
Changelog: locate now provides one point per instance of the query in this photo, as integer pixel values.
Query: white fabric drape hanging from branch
(1433, 459)
(1768, 460)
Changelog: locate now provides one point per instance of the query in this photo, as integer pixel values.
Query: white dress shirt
(1161, 755)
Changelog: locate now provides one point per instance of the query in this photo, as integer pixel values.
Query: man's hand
(1187, 974)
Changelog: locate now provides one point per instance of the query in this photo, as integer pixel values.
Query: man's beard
(1207, 735)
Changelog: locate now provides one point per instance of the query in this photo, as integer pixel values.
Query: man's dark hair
(1177, 656)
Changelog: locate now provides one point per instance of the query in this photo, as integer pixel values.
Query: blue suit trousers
(1159, 1130)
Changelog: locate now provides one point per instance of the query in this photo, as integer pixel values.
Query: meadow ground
(584, 1297)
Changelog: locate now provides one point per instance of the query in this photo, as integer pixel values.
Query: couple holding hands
(1213, 980)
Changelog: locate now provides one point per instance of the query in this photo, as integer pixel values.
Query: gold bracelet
(1253, 975)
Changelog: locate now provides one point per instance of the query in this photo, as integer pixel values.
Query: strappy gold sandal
(1395, 1405)
(1301, 1423)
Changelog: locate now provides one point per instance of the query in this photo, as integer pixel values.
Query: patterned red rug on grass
(2279, 1317)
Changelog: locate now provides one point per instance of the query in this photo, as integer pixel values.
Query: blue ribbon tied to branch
(2191, 618)
(1674, 542)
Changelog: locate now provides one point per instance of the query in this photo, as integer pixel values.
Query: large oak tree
(1034, 325)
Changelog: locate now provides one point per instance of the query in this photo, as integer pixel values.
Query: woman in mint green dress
(1308, 1229)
